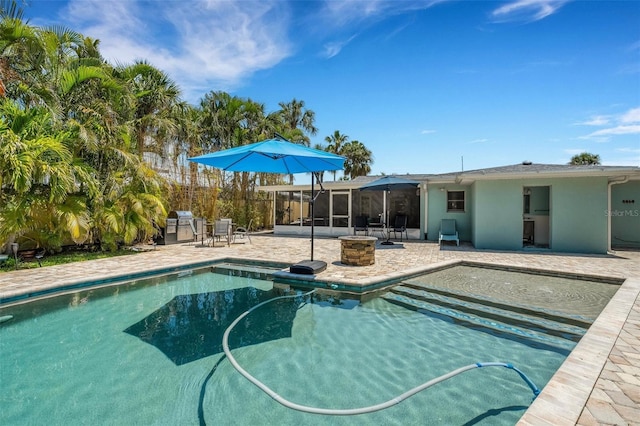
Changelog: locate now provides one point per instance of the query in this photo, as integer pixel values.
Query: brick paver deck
(598, 384)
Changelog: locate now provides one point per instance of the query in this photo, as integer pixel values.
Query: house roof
(528, 169)
(514, 171)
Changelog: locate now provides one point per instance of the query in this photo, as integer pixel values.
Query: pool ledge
(21, 294)
(361, 285)
(564, 398)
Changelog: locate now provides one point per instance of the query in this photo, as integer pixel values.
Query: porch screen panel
(369, 204)
(405, 202)
(288, 208)
(340, 217)
(320, 209)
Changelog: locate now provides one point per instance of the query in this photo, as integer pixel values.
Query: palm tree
(584, 159)
(156, 97)
(39, 177)
(358, 159)
(293, 116)
(335, 143)
(67, 157)
(222, 116)
(20, 48)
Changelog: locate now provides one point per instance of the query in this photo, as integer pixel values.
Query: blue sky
(428, 86)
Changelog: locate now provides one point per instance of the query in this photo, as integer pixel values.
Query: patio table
(378, 227)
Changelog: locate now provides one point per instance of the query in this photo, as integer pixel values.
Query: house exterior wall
(437, 210)
(625, 215)
(498, 215)
(577, 222)
(578, 219)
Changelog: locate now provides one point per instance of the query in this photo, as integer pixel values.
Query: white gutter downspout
(425, 192)
(624, 179)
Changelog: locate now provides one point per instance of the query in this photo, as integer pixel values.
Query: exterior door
(340, 209)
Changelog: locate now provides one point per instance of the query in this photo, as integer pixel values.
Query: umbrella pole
(388, 203)
(312, 212)
(309, 267)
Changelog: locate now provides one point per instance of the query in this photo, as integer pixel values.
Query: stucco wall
(578, 222)
(437, 210)
(625, 216)
(498, 215)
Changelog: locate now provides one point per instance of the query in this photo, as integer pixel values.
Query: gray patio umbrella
(387, 183)
(277, 156)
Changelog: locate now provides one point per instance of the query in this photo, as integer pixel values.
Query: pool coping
(565, 396)
(22, 296)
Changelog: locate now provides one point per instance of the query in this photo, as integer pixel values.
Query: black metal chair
(362, 224)
(400, 225)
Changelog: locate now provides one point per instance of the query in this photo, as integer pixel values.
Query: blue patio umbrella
(387, 183)
(275, 156)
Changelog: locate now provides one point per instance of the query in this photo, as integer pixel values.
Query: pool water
(148, 353)
(575, 297)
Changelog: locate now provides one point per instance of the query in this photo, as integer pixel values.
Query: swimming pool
(147, 353)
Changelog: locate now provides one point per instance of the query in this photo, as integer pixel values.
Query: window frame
(451, 203)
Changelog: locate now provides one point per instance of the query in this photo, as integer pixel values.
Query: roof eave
(466, 179)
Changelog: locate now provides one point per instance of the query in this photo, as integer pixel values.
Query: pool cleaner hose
(352, 411)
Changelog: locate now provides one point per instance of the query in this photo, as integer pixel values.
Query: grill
(178, 229)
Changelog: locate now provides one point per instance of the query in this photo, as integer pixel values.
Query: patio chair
(222, 229)
(400, 225)
(194, 230)
(243, 231)
(448, 231)
(200, 233)
(362, 224)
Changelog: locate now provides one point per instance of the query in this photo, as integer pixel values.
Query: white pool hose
(351, 411)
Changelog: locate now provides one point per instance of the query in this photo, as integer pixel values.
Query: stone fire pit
(356, 250)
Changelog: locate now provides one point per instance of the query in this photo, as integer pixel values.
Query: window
(455, 201)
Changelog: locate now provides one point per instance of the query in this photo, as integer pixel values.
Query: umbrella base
(308, 267)
(387, 243)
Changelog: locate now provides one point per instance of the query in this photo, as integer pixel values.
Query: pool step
(560, 317)
(533, 319)
(244, 270)
(547, 332)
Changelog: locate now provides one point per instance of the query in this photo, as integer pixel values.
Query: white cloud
(631, 116)
(618, 130)
(596, 120)
(203, 45)
(350, 12)
(343, 16)
(527, 10)
(333, 48)
(624, 125)
(479, 141)
(427, 132)
(215, 44)
(632, 150)
(574, 151)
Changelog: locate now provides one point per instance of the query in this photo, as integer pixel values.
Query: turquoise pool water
(146, 353)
